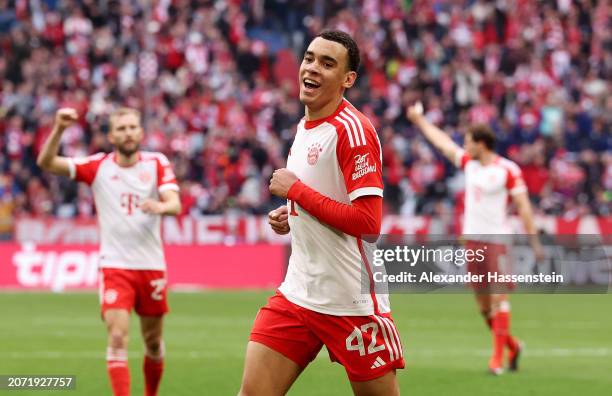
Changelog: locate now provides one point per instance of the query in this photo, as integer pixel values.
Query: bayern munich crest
(144, 177)
(313, 153)
(110, 296)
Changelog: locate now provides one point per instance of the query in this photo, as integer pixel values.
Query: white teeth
(309, 81)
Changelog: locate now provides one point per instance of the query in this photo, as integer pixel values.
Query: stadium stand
(217, 83)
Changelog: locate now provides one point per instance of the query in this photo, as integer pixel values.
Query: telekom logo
(129, 202)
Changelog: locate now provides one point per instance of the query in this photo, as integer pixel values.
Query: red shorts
(143, 290)
(495, 261)
(367, 346)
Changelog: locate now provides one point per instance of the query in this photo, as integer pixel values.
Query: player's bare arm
(48, 159)
(279, 220)
(521, 200)
(437, 137)
(169, 204)
(281, 182)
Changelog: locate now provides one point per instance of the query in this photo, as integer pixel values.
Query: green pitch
(568, 345)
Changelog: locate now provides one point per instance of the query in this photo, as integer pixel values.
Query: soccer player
(132, 189)
(333, 185)
(490, 179)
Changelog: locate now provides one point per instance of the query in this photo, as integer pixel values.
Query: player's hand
(538, 251)
(151, 206)
(279, 220)
(281, 182)
(414, 112)
(65, 117)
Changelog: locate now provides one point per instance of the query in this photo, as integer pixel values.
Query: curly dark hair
(347, 42)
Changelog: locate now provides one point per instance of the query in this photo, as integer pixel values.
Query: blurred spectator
(216, 81)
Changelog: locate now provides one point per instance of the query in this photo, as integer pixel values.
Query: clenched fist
(65, 117)
(281, 182)
(415, 111)
(279, 220)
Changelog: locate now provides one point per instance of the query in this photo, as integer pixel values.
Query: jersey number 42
(354, 342)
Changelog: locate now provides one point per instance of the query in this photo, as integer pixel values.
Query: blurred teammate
(489, 180)
(333, 183)
(131, 189)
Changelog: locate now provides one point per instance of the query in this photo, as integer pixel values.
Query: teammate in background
(489, 180)
(131, 189)
(333, 183)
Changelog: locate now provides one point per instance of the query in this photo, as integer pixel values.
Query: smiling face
(126, 133)
(324, 75)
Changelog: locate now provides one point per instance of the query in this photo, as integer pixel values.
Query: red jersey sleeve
(362, 217)
(359, 155)
(462, 159)
(85, 169)
(514, 179)
(166, 180)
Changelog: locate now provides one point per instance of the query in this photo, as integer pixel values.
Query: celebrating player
(132, 189)
(333, 185)
(489, 180)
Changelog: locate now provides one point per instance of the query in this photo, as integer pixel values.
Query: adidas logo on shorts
(378, 363)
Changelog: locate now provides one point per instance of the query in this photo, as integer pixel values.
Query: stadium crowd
(216, 81)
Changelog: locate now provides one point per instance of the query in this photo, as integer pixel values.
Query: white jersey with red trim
(487, 188)
(329, 271)
(129, 238)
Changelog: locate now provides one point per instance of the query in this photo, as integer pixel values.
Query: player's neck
(325, 111)
(487, 158)
(126, 160)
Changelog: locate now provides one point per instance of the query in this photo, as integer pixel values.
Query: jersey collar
(315, 123)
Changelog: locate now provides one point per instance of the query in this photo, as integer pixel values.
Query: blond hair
(121, 112)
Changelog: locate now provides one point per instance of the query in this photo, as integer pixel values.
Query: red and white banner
(206, 252)
(229, 230)
(69, 267)
(207, 230)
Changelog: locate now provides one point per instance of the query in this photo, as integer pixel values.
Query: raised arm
(437, 137)
(48, 159)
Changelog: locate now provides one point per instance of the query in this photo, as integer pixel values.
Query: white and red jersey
(487, 189)
(129, 238)
(329, 271)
